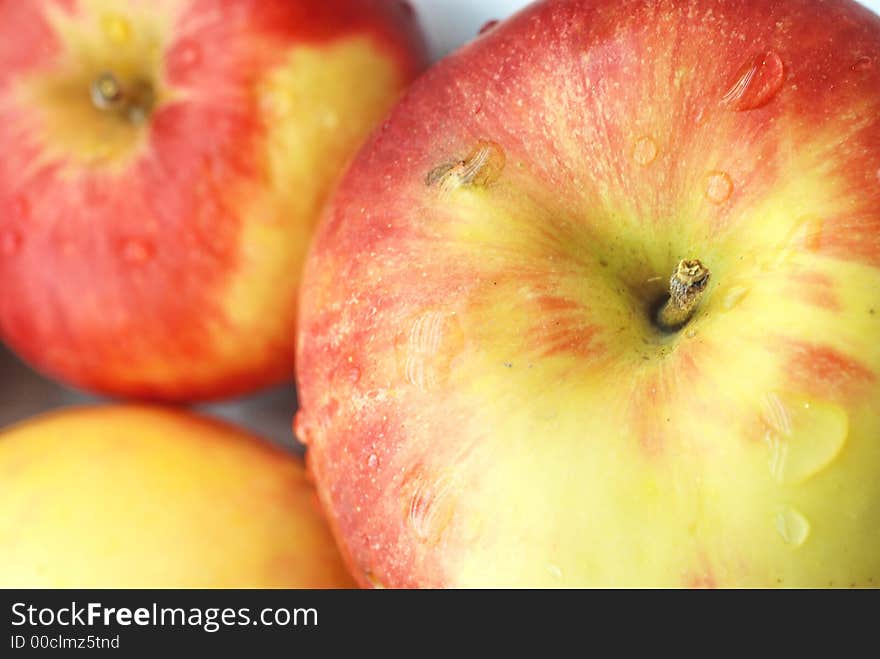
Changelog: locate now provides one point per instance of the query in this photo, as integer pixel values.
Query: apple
(127, 496)
(163, 166)
(600, 306)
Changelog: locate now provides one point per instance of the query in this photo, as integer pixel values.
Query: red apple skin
(162, 261)
(441, 463)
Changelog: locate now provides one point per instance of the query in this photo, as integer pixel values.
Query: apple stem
(109, 95)
(686, 288)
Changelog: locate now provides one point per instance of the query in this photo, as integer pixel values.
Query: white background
(447, 24)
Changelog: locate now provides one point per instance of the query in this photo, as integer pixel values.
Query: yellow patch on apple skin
(95, 39)
(316, 109)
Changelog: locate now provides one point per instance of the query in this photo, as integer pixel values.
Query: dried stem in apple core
(134, 102)
(686, 288)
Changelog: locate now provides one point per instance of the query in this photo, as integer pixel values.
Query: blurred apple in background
(600, 306)
(163, 166)
(141, 497)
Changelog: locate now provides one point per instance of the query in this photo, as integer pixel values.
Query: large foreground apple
(496, 389)
(141, 497)
(163, 166)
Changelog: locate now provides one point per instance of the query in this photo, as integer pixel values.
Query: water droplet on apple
(756, 83)
(734, 295)
(437, 175)
(373, 580)
(792, 526)
(434, 340)
(10, 242)
(804, 436)
(482, 167)
(137, 251)
(407, 8)
(863, 64)
(372, 461)
(189, 53)
(116, 28)
(719, 187)
(430, 507)
(645, 151)
(806, 234)
(301, 429)
(690, 333)
(555, 570)
(488, 25)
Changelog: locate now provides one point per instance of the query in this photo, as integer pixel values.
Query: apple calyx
(686, 288)
(133, 102)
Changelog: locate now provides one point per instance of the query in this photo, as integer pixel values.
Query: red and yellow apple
(163, 166)
(488, 393)
(145, 497)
